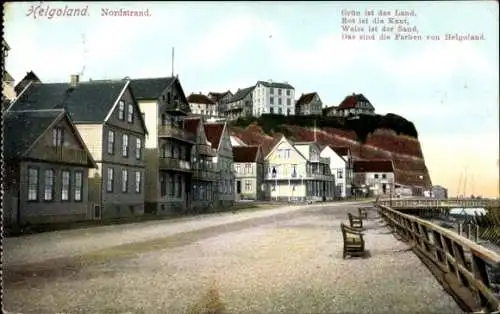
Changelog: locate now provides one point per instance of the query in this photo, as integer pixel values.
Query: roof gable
(33, 124)
(306, 99)
(351, 101)
(29, 77)
(284, 140)
(88, 102)
(214, 133)
(150, 88)
(242, 93)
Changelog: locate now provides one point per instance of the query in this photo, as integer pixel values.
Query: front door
(384, 188)
(238, 187)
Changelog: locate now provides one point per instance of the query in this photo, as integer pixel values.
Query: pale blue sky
(448, 89)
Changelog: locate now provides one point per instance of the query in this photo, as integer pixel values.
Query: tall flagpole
(172, 61)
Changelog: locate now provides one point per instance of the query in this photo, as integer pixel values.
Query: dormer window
(57, 137)
(121, 110)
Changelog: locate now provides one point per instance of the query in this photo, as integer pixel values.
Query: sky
(448, 89)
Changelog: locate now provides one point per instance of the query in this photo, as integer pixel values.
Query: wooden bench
(354, 244)
(355, 222)
(363, 212)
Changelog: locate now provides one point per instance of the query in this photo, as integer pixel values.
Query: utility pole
(172, 61)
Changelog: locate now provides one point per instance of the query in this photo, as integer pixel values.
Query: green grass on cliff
(366, 124)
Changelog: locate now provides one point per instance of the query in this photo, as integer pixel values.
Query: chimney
(74, 79)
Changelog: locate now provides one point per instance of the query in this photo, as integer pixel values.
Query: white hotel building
(273, 97)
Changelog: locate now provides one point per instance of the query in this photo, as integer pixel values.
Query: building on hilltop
(240, 105)
(354, 104)
(309, 104)
(273, 98)
(221, 100)
(203, 106)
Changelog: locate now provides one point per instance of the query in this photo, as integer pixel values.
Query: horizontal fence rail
(463, 263)
(438, 203)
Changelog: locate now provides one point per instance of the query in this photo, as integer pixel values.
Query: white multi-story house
(341, 169)
(295, 171)
(375, 177)
(203, 106)
(274, 98)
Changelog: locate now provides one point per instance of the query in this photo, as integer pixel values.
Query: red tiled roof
(305, 98)
(200, 99)
(341, 150)
(350, 101)
(245, 153)
(191, 125)
(373, 166)
(213, 132)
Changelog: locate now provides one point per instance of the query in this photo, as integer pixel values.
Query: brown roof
(305, 98)
(213, 132)
(245, 153)
(373, 166)
(217, 96)
(191, 125)
(341, 150)
(200, 99)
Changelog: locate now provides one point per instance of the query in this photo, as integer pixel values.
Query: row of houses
(268, 97)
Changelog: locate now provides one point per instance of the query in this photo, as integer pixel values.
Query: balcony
(205, 174)
(320, 160)
(206, 150)
(168, 131)
(63, 155)
(308, 176)
(174, 164)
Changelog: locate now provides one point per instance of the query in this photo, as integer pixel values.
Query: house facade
(354, 104)
(240, 105)
(249, 171)
(309, 104)
(297, 172)
(108, 119)
(221, 100)
(439, 192)
(203, 106)
(205, 175)
(218, 135)
(273, 98)
(27, 79)
(168, 146)
(46, 169)
(341, 167)
(375, 177)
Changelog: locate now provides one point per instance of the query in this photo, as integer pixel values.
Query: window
(288, 92)
(280, 111)
(111, 142)
(279, 102)
(171, 184)
(271, 100)
(121, 110)
(288, 102)
(138, 147)
(384, 176)
(271, 110)
(274, 172)
(110, 180)
(124, 180)
(125, 145)
(179, 186)
(57, 137)
(375, 176)
(78, 186)
(294, 171)
(279, 91)
(238, 168)
(163, 184)
(272, 91)
(49, 185)
(288, 111)
(248, 169)
(65, 180)
(273, 187)
(340, 173)
(32, 184)
(138, 182)
(248, 185)
(130, 113)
